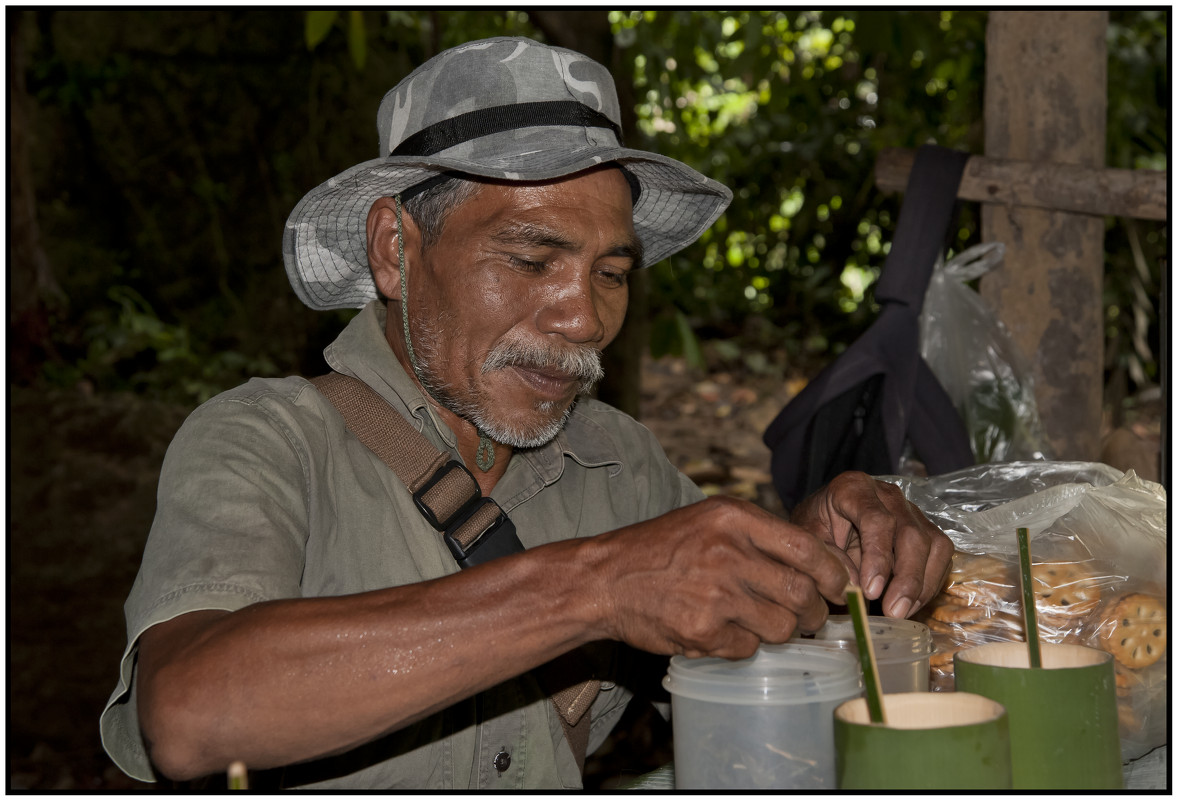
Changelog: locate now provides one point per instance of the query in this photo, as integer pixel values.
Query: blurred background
(154, 156)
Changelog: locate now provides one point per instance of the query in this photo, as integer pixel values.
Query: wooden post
(1046, 101)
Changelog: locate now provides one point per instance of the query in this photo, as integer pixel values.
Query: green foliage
(672, 334)
(1137, 251)
(320, 23)
(132, 349)
(172, 145)
(790, 109)
(357, 41)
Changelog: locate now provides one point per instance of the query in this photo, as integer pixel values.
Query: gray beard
(582, 362)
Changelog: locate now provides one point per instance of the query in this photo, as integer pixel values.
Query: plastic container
(763, 723)
(902, 649)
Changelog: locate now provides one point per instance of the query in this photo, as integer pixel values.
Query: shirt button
(502, 761)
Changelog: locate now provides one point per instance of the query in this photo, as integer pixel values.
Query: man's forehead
(541, 235)
(625, 182)
(526, 219)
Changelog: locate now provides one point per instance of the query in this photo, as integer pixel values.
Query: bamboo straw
(1029, 622)
(238, 777)
(858, 609)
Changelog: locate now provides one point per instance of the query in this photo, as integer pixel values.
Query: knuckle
(745, 648)
(725, 508)
(703, 621)
(713, 596)
(799, 588)
(850, 478)
(941, 543)
(802, 545)
(911, 531)
(782, 627)
(813, 619)
(843, 480)
(733, 644)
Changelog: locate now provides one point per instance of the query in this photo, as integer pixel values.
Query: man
(295, 611)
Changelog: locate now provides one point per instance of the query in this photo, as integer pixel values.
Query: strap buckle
(497, 537)
(440, 475)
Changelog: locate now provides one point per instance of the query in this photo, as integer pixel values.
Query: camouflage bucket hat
(504, 108)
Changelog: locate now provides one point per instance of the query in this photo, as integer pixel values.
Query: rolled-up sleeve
(229, 531)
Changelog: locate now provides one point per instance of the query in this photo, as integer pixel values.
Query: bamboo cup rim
(924, 710)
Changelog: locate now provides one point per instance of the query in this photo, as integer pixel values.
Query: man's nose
(571, 310)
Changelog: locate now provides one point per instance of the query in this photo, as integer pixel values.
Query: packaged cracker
(1099, 573)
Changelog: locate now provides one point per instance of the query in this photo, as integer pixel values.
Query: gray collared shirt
(265, 495)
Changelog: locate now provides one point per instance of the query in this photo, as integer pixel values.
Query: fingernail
(901, 607)
(875, 587)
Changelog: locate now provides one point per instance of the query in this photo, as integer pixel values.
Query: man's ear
(382, 246)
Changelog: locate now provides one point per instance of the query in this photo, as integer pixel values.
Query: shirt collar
(362, 351)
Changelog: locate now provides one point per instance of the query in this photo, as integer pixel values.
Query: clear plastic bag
(972, 355)
(1098, 544)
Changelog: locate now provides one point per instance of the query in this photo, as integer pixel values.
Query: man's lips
(551, 383)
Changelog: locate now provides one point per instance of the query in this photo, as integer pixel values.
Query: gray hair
(430, 208)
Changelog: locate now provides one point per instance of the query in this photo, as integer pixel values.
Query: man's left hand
(889, 546)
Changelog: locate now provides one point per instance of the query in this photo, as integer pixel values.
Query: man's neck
(466, 434)
(468, 441)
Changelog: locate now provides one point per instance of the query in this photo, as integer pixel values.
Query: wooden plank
(1140, 194)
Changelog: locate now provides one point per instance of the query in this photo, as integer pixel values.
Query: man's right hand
(716, 578)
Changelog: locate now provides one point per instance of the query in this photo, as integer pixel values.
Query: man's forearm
(287, 681)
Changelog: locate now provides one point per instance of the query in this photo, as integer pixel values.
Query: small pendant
(485, 458)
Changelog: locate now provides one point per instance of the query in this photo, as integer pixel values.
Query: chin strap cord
(404, 286)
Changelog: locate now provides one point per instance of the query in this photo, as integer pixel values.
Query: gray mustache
(583, 363)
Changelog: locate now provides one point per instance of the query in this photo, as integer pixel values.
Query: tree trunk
(32, 286)
(1046, 102)
(588, 31)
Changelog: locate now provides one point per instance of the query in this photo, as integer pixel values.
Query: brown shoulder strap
(398, 444)
(447, 493)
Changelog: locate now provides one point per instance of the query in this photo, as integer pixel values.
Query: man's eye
(614, 278)
(527, 265)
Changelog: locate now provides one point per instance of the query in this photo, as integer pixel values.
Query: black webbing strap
(496, 119)
(930, 205)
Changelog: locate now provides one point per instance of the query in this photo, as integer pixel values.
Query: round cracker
(957, 613)
(1064, 589)
(1134, 630)
(977, 567)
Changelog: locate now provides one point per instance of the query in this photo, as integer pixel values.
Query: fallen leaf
(751, 474)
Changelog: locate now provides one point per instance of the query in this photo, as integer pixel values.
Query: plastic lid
(892, 639)
(776, 674)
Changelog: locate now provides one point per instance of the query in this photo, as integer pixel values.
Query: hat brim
(324, 244)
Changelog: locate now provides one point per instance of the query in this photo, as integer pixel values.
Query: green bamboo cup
(1063, 715)
(931, 741)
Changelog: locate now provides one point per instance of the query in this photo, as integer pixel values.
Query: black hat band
(486, 121)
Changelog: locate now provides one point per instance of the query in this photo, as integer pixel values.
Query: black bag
(859, 411)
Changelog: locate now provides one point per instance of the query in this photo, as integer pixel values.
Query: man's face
(511, 307)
